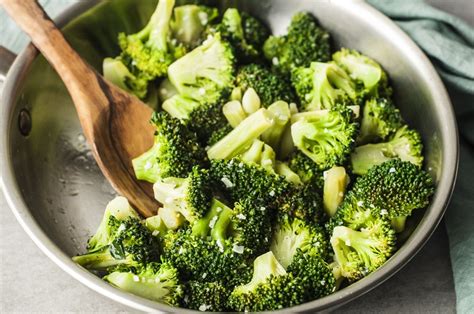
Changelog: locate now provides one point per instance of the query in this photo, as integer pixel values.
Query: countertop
(30, 282)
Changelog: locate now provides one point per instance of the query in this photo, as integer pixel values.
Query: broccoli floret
(271, 288)
(156, 226)
(245, 33)
(190, 21)
(151, 50)
(282, 169)
(404, 144)
(366, 70)
(380, 120)
(326, 137)
(306, 168)
(190, 196)
(116, 72)
(291, 235)
(260, 154)
(132, 244)
(206, 296)
(335, 183)
(219, 134)
(270, 87)
(207, 251)
(359, 253)
(242, 136)
(305, 42)
(174, 153)
(157, 282)
(117, 210)
(323, 85)
(206, 74)
(314, 272)
(396, 186)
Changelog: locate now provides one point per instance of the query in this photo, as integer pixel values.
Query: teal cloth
(449, 42)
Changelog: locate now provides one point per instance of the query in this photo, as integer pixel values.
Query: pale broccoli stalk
(234, 112)
(116, 72)
(335, 183)
(273, 136)
(260, 154)
(282, 169)
(242, 136)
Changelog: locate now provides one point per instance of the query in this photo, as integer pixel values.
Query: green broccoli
(245, 33)
(291, 235)
(190, 21)
(326, 137)
(271, 288)
(206, 296)
(305, 42)
(282, 169)
(174, 153)
(219, 134)
(323, 86)
(152, 50)
(380, 120)
(306, 168)
(157, 282)
(260, 154)
(404, 144)
(304, 202)
(117, 72)
(366, 70)
(335, 184)
(397, 187)
(270, 86)
(206, 74)
(121, 240)
(282, 115)
(190, 196)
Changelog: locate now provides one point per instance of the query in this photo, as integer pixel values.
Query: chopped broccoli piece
(151, 50)
(404, 144)
(206, 74)
(190, 21)
(305, 168)
(305, 42)
(335, 183)
(281, 112)
(156, 226)
(157, 282)
(174, 153)
(242, 136)
(270, 87)
(324, 85)
(234, 112)
(284, 170)
(380, 120)
(219, 134)
(328, 138)
(291, 235)
(190, 196)
(116, 72)
(304, 202)
(260, 154)
(123, 240)
(366, 70)
(397, 186)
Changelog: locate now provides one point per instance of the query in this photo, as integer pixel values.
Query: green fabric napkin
(449, 42)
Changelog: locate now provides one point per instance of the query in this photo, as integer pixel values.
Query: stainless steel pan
(58, 194)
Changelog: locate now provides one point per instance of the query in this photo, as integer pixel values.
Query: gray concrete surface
(30, 282)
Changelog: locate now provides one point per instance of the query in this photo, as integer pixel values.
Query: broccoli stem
(156, 225)
(179, 107)
(234, 113)
(398, 223)
(145, 166)
(335, 183)
(242, 136)
(282, 169)
(250, 101)
(98, 260)
(272, 136)
(309, 115)
(212, 223)
(159, 24)
(286, 144)
(264, 266)
(367, 156)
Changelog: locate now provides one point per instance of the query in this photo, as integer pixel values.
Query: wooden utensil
(115, 124)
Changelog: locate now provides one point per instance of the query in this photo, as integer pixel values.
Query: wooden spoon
(115, 124)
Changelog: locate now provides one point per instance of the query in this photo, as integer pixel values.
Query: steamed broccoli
(206, 74)
(245, 33)
(323, 85)
(121, 240)
(366, 70)
(305, 42)
(190, 21)
(304, 202)
(270, 87)
(335, 183)
(155, 281)
(152, 50)
(118, 73)
(327, 137)
(191, 196)
(259, 154)
(404, 144)
(306, 168)
(293, 235)
(271, 288)
(174, 153)
(396, 186)
(380, 120)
